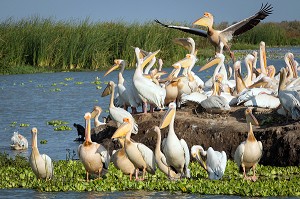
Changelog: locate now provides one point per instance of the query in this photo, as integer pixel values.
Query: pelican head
(186, 62)
(291, 63)
(117, 63)
(206, 20)
(168, 115)
(148, 58)
(196, 152)
(96, 110)
(271, 70)
(219, 58)
(250, 117)
(34, 130)
(263, 56)
(123, 129)
(108, 89)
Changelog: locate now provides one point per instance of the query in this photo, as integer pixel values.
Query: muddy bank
(280, 139)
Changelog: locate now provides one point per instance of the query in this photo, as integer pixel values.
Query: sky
(185, 11)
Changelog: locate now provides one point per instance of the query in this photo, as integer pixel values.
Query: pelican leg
(244, 173)
(144, 173)
(144, 107)
(125, 107)
(151, 108)
(130, 176)
(136, 174)
(87, 176)
(254, 178)
(133, 110)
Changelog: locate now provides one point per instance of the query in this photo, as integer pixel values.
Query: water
(30, 99)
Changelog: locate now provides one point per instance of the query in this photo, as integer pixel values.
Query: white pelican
(289, 99)
(126, 92)
(216, 103)
(139, 154)
(18, 142)
(249, 152)
(93, 156)
(148, 91)
(193, 97)
(176, 151)
(215, 164)
(41, 165)
(160, 158)
(219, 38)
(95, 114)
(116, 113)
(263, 100)
(121, 161)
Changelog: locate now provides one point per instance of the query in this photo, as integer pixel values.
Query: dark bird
(220, 38)
(80, 131)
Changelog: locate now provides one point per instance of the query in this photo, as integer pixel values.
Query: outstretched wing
(194, 31)
(250, 22)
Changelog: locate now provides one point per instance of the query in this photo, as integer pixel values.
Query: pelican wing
(118, 114)
(48, 165)
(194, 31)
(290, 100)
(105, 157)
(148, 156)
(186, 156)
(239, 153)
(216, 163)
(248, 23)
(193, 97)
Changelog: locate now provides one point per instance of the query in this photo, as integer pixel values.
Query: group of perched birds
(261, 87)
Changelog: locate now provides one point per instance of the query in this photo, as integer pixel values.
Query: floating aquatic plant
(43, 141)
(79, 83)
(70, 176)
(56, 122)
(39, 86)
(55, 90)
(54, 84)
(63, 128)
(24, 125)
(13, 124)
(96, 82)
(69, 78)
(98, 87)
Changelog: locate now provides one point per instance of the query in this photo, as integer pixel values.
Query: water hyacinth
(70, 176)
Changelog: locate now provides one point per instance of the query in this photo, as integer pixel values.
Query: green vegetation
(63, 128)
(56, 122)
(37, 45)
(70, 176)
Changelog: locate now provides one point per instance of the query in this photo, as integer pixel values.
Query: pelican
(121, 161)
(148, 91)
(126, 93)
(219, 38)
(18, 142)
(216, 103)
(93, 156)
(116, 113)
(289, 99)
(139, 154)
(176, 151)
(41, 165)
(160, 158)
(193, 97)
(249, 152)
(95, 114)
(215, 164)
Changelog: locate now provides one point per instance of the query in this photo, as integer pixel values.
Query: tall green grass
(46, 44)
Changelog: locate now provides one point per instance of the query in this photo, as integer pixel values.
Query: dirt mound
(280, 139)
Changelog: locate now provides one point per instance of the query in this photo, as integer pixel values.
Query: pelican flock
(148, 90)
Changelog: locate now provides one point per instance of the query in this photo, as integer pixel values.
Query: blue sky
(141, 11)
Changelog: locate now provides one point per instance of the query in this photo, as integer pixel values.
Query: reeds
(64, 45)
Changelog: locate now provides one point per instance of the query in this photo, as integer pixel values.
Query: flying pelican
(95, 114)
(289, 99)
(176, 151)
(93, 156)
(121, 161)
(126, 92)
(249, 152)
(116, 113)
(18, 142)
(219, 38)
(148, 91)
(160, 158)
(215, 164)
(139, 154)
(41, 165)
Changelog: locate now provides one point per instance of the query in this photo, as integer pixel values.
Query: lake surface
(34, 99)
